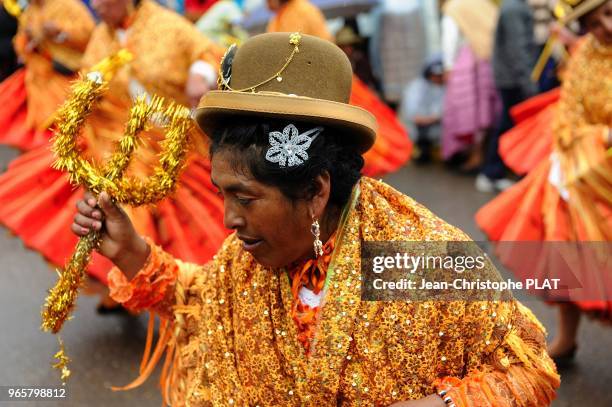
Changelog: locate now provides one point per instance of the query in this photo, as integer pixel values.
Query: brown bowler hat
(288, 76)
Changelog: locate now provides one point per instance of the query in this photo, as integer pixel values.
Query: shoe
(108, 306)
(566, 360)
(484, 183)
(118, 309)
(503, 183)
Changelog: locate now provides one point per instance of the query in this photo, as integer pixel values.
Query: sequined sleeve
(161, 36)
(203, 49)
(165, 287)
(506, 359)
(154, 287)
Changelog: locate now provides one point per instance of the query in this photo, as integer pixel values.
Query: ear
(319, 201)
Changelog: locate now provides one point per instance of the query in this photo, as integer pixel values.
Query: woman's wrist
(446, 399)
(133, 259)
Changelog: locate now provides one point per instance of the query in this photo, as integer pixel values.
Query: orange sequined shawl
(230, 338)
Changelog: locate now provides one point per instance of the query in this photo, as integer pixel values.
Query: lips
(250, 243)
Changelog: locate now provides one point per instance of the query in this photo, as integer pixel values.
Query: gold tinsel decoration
(126, 190)
(62, 362)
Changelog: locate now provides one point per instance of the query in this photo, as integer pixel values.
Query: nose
(231, 218)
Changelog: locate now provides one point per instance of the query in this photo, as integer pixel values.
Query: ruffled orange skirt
(29, 99)
(530, 140)
(393, 147)
(536, 234)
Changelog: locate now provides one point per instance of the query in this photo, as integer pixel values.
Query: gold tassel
(62, 361)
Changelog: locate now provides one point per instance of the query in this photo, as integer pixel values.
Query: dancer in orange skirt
(170, 59)
(393, 148)
(51, 38)
(567, 197)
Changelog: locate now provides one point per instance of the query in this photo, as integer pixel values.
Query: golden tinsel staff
(126, 190)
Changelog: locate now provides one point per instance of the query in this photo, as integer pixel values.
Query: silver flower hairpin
(289, 148)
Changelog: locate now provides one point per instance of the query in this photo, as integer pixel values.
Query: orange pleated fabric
(530, 140)
(393, 147)
(15, 129)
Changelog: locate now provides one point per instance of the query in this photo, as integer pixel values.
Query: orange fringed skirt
(393, 147)
(535, 233)
(29, 99)
(530, 140)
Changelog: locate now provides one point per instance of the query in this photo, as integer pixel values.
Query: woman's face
(599, 23)
(112, 12)
(275, 5)
(273, 229)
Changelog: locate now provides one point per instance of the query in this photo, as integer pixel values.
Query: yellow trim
(294, 39)
(12, 7)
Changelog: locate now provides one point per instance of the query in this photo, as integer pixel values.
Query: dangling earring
(316, 232)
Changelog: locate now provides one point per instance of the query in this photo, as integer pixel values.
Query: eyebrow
(232, 188)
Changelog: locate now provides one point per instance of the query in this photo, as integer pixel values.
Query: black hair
(583, 19)
(329, 152)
